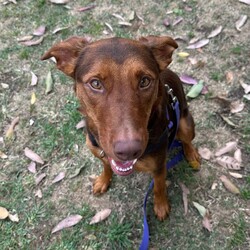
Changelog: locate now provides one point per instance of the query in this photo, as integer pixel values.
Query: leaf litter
(231, 187)
(33, 156)
(59, 177)
(10, 131)
(100, 216)
(67, 222)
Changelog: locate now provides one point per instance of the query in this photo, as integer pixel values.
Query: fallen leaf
(5, 85)
(205, 153)
(100, 216)
(195, 90)
(214, 186)
(199, 44)
(188, 79)
(240, 22)
(59, 1)
(228, 121)
(10, 131)
(124, 23)
(237, 106)
(14, 217)
(215, 32)
(245, 1)
(67, 222)
(86, 8)
(3, 155)
(32, 167)
(202, 210)
(185, 193)
(109, 26)
(177, 21)
(81, 124)
(206, 222)
(194, 40)
(237, 155)
(39, 178)
(33, 79)
(118, 17)
(230, 146)
(247, 97)
(59, 177)
(39, 193)
(33, 42)
(49, 83)
(183, 54)
(229, 185)
(246, 87)
(33, 98)
(25, 38)
(229, 76)
(131, 16)
(166, 22)
(39, 31)
(3, 213)
(228, 162)
(236, 175)
(33, 156)
(59, 29)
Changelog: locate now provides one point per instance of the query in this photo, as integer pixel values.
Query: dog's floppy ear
(161, 47)
(66, 53)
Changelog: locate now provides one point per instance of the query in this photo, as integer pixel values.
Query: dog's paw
(162, 210)
(193, 157)
(100, 185)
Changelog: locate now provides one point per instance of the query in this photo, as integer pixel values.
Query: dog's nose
(128, 150)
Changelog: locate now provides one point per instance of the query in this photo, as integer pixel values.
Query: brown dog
(120, 84)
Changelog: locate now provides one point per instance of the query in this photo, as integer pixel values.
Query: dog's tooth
(114, 163)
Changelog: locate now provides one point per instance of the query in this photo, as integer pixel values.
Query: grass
(54, 136)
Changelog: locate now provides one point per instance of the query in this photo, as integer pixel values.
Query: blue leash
(172, 162)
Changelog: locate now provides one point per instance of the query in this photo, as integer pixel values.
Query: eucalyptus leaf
(195, 90)
(49, 83)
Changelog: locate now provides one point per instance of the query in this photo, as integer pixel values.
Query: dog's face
(117, 84)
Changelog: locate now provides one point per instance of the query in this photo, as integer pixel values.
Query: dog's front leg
(161, 204)
(102, 182)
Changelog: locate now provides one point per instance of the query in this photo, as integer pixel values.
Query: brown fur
(120, 112)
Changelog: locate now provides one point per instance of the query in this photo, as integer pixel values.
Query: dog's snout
(128, 150)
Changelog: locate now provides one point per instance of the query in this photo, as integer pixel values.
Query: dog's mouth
(122, 168)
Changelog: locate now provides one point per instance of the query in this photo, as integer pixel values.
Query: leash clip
(171, 93)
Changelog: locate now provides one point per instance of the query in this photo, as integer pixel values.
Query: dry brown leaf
(32, 167)
(39, 193)
(202, 210)
(10, 131)
(67, 222)
(100, 216)
(81, 124)
(59, 1)
(14, 217)
(240, 22)
(185, 193)
(215, 32)
(236, 175)
(245, 1)
(33, 42)
(39, 178)
(229, 76)
(3, 155)
(246, 87)
(39, 31)
(206, 222)
(33, 79)
(205, 153)
(237, 106)
(237, 155)
(228, 162)
(33, 156)
(3, 213)
(59, 177)
(199, 44)
(25, 38)
(230, 146)
(229, 185)
(59, 29)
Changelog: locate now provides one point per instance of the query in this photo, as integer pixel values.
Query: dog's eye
(144, 82)
(96, 84)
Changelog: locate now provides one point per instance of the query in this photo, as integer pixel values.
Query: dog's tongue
(122, 168)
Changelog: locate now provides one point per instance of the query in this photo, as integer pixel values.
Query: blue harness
(172, 162)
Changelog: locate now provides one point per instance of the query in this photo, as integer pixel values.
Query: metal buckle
(171, 93)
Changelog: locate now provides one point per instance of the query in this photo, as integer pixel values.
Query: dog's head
(117, 84)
